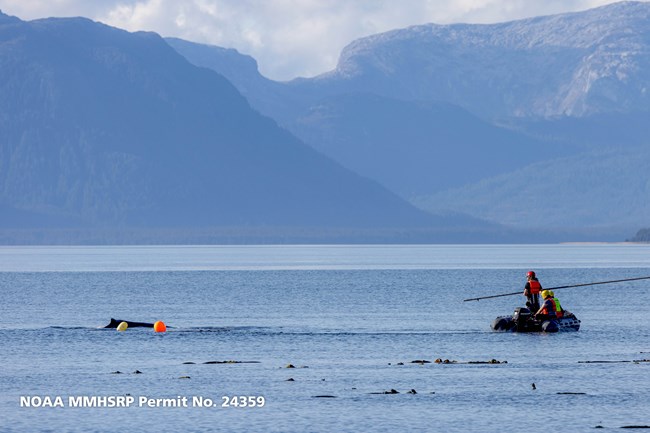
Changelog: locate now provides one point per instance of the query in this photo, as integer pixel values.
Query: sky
(288, 38)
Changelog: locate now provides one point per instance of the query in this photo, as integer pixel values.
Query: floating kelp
(636, 361)
(293, 366)
(230, 361)
(394, 391)
(447, 361)
(450, 361)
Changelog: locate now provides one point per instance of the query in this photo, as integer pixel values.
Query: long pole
(559, 287)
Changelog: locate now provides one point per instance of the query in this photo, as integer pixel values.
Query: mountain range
(528, 130)
(538, 123)
(101, 128)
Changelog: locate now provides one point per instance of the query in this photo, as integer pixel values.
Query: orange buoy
(159, 326)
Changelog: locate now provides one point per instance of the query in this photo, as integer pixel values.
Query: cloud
(33, 9)
(288, 38)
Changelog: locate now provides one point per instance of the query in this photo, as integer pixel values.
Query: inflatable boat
(523, 321)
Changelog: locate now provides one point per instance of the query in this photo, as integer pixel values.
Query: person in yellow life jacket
(558, 308)
(548, 309)
(532, 291)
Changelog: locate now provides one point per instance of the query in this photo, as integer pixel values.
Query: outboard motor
(521, 316)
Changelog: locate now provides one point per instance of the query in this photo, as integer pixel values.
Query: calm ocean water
(351, 319)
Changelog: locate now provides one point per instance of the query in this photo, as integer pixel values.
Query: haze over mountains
(551, 113)
(105, 129)
(539, 125)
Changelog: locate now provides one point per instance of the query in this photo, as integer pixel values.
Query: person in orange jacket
(548, 309)
(532, 291)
